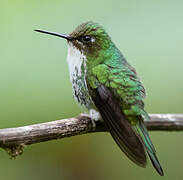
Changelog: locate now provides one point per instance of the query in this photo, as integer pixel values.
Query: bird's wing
(131, 93)
(118, 125)
(118, 94)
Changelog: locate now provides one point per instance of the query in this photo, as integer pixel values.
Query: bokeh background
(35, 87)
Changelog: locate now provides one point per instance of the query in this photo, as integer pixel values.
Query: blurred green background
(35, 83)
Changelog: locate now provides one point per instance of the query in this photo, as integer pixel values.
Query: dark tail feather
(156, 163)
(142, 130)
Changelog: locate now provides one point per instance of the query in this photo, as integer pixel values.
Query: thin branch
(13, 140)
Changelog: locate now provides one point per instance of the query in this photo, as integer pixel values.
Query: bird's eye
(85, 39)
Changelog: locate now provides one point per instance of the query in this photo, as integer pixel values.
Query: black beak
(65, 36)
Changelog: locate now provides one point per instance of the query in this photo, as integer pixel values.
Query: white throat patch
(74, 59)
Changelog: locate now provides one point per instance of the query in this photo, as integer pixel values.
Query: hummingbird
(108, 86)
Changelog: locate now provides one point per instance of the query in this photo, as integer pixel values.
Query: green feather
(105, 66)
(142, 131)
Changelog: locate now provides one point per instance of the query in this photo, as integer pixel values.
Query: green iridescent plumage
(109, 68)
(103, 80)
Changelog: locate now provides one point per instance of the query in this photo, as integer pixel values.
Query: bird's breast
(77, 69)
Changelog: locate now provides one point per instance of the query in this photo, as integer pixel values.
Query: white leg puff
(95, 115)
